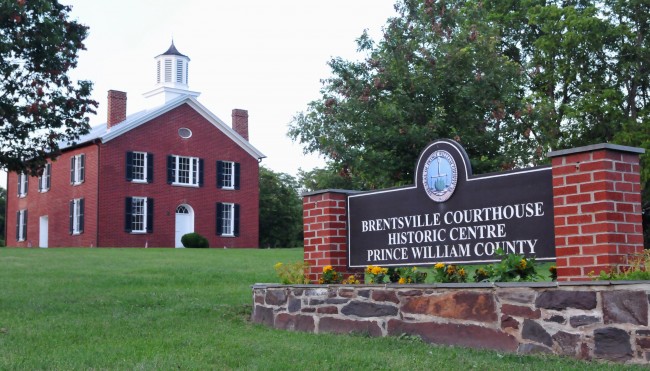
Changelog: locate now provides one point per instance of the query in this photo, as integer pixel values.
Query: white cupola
(171, 77)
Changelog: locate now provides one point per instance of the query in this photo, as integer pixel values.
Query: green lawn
(187, 309)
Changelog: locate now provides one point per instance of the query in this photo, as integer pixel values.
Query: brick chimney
(116, 107)
(240, 122)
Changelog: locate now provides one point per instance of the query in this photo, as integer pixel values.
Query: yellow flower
(277, 265)
(376, 270)
(352, 280)
(439, 265)
(522, 264)
(461, 272)
(327, 268)
(451, 269)
(401, 281)
(369, 269)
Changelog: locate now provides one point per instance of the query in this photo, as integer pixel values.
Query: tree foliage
(510, 80)
(40, 107)
(280, 210)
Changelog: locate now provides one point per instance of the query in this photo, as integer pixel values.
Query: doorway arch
(184, 222)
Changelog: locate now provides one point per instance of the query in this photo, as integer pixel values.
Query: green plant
(292, 273)
(376, 273)
(351, 280)
(330, 275)
(410, 275)
(636, 270)
(481, 274)
(511, 268)
(194, 240)
(449, 273)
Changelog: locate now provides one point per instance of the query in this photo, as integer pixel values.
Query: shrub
(636, 271)
(292, 273)
(194, 240)
(410, 275)
(511, 268)
(376, 273)
(330, 275)
(449, 273)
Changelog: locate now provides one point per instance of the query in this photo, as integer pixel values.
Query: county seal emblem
(440, 176)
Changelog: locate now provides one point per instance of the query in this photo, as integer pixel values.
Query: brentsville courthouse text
(449, 232)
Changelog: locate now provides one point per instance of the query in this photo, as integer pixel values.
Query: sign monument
(452, 216)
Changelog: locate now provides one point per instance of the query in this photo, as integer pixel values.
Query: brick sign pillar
(597, 203)
(325, 229)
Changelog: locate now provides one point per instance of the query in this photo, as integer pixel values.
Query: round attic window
(184, 133)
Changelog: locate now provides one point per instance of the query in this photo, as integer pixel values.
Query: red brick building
(145, 179)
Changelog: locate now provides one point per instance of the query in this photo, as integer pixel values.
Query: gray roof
(173, 51)
(103, 134)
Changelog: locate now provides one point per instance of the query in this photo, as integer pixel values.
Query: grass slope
(162, 309)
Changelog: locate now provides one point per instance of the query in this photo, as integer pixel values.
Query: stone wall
(589, 320)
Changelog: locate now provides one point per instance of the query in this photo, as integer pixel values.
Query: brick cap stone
(525, 284)
(321, 191)
(639, 284)
(596, 147)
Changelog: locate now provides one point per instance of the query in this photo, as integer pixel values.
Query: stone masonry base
(592, 320)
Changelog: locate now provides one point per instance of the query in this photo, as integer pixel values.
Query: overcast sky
(267, 57)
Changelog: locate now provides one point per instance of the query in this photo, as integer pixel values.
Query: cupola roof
(173, 51)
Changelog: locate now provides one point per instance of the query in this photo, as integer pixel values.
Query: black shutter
(25, 224)
(149, 215)
(129, 166)
(171, 165)
(236, 223)
(18, 225)
(81, 215)
(219, 174)
(201, 165)
(219, 218)
(82, 169)
(149, 167)
(72, 160)
(128, 211)
(236, 175)
(20, 180)
(48, 181)
(71, 216)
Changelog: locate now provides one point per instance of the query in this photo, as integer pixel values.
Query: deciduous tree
(510, 80)
(280, 210)
(40, 107)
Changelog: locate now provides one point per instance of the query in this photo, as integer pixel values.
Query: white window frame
(194, 164)
(228, 224)
(141, 217)
(23, 185)
(76, 216)
(44, 179)
(228, 175)
(77, 171)
(144, 174)
(22, 223)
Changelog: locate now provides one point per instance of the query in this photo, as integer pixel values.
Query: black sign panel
(451, 216)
